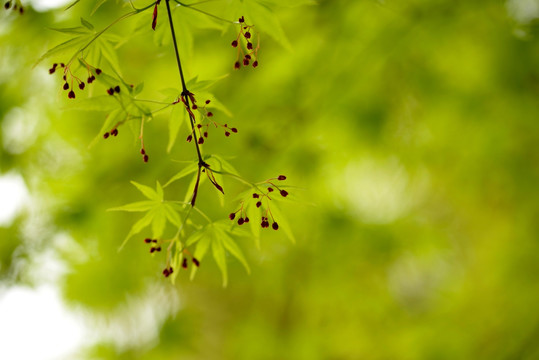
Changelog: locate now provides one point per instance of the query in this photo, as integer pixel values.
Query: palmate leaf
(137, 227)
(204, 240)
(159, 222)
(158, 212)
(111, 119)
(283, 224)
(230, 245)
(219, 256)
(148, 191)
(136, 206)
(65, 46)
(178, 116)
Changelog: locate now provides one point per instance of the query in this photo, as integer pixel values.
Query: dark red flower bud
(247, 35)
(255, 63)
(206, 134)
(81, 86)
(147, 240)
(281, 177)
(284, 193)
(106, 135)
(52, 70)
(227, 133)
(110, 91)
(246, 219)
(234, 43)
(189, 138)
(209, 114)
(245, 62)
(142, 151)
(248, 57)
(232, 216)
(194, 107)
(90, 79)
(152, 250)
(7, 5)
(66, 86)
(237, 65)
(64, 77)
(145, 158)
(241, 20)
(258, 204)
(207, 102)
(256, 196)
(98, 71)
(270, 189)
(184, 263)
(240, 221)
(200, 140)
(154, 240)
(170, 270)
(249, 46)
(234, 130)
(62, 64)
(166, 273)
(196, 262)
(275, 226)
(158, 248)
(117, 88)
(114, 132)
(71, 94)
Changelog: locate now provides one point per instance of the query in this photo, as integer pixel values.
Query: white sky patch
(45, 5)
(14, 195)
(379, 191)
(523, 11)
(35, 324)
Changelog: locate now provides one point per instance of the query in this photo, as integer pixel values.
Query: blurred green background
(411, 128)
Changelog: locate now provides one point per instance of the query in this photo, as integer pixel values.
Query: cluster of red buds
(259, 196)
(113, 132)
(203, 125)
(113, 90)
(155, 248)
(251, 52)
(14, 5)
(70, 79)
(185, 263)
(168, 271)
(144, 155)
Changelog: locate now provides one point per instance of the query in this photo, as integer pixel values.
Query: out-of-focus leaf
(159, 222)
(86, 24)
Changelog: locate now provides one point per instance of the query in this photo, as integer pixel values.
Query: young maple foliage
(92, 61)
